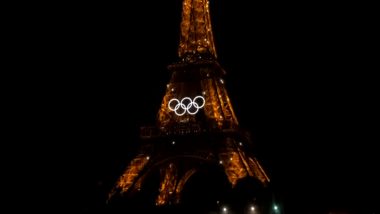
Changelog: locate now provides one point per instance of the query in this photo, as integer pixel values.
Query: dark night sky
(290, 75)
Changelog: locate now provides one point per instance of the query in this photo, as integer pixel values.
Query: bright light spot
(275, 207)
(230, 159)
(220, 162)
(240, 143)
(203, 92)
(173, 142)
(147, 157)
(172, 89)
(221, 81)
(252, 208)
(217, 202)
(224, 209)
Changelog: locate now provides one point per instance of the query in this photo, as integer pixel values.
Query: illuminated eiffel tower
(196, 125)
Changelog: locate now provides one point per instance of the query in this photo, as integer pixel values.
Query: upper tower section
(196, 39)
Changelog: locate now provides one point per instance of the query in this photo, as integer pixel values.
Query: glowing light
(275, 207)
(240, 143)
(173, 142)
(191, 106)
(177, 106)
(147, 157)
(220, 162)
(221, 81)
(252, 208)
(224, 209)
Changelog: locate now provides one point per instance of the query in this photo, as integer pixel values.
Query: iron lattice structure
(196, 124)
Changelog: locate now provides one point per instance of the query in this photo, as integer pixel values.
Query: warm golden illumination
(168, 184)
(196, 123)
(130, 175)
(196, 34)
(217, 107)
(237, 165)
(182, 183)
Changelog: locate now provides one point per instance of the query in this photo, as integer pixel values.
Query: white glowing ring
(177, 106)
(186, 105)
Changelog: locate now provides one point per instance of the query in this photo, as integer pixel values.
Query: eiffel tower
(196, 127)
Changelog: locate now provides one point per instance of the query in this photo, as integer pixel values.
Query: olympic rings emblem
(191, 106)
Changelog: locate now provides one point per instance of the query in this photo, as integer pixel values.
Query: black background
(293, 76)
